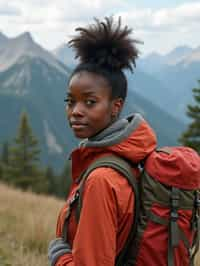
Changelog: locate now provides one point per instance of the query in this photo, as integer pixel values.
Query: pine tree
(24, 171)
(1, 171)
(5, 153)
(4, 160)
(64, 180)
(191, 137)
(50, 176)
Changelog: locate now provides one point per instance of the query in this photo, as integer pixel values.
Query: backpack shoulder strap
(114, 162)
(125, 169)
(166, 150)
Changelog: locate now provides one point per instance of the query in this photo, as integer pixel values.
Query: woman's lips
(78, 126)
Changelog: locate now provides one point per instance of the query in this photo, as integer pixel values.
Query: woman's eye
(69, 102)
(90, 102)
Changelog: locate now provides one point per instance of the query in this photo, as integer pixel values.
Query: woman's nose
(78, 109)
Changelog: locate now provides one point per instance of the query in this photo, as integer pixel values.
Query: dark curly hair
(105, 48)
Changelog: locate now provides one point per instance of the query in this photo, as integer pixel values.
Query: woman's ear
(117, 105)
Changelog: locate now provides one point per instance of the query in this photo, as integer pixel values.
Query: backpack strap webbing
(125, 169)
(166, 150)
(72, 201)
(173, 239)
(196, 226)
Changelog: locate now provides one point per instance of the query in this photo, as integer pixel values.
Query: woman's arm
(95, 240)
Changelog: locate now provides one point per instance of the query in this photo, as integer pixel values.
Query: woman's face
(89, 106)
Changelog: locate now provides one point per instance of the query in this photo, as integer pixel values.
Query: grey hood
(115, 133)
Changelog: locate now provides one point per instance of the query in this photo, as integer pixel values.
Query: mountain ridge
(34, 84)
(3, 39)
(24, 45)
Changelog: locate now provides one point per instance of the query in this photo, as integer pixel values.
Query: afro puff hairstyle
(106, 48)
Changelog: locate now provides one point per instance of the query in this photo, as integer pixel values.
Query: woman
(95, 98)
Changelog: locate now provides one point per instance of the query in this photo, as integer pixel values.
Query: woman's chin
(81, 135)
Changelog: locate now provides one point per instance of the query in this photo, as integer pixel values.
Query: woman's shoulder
(108, 184)
(107, 177)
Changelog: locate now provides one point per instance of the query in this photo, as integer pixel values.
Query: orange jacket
(108, 202)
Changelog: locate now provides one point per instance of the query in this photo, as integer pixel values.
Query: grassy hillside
(27, 224)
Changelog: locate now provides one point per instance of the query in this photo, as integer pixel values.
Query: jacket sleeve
(95, 240)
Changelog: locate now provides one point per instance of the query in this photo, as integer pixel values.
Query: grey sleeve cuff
(57, 248)
(57, 255)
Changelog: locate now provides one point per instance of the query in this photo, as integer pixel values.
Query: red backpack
(166, 224)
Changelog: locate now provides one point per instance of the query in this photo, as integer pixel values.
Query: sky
(161, 24)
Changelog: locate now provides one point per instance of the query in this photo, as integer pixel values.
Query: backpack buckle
(174, 216)
(196, 212)
(197, 201)
(74, 198)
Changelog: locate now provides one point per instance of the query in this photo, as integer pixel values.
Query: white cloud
(162, 18)
(52, 22)
(8, 9)
(178, 16)
(164, 28)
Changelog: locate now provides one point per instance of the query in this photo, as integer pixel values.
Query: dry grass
(27, 224)
(197, 263)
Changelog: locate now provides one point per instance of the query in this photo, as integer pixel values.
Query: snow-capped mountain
(24, 45)
(33, 80)
(177, 72)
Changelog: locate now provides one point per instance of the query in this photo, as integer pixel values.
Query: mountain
(175, 73)
(177, 54)
(65, 54)
(24, 45)
(162, 79)
(33, 80)
(39, 89)
(3, 39)
(193, 57)
(150, 88)
(156, 62)
(141, 83)
(180, 80)
(147, 85)
(151, 63)
(167, 128)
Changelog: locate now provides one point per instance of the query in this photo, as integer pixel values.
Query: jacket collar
(132, 139)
